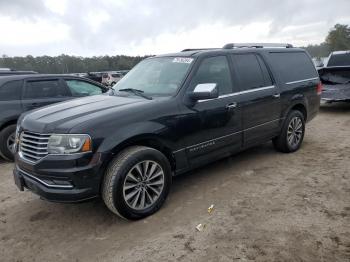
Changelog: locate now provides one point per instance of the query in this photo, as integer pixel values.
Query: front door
(212, 128)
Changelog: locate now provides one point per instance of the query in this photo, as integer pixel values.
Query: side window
(82, 88)
(214, 70)
(44, 89)
(11, 91)
(265, 71)
(293, 66)
(249, 71)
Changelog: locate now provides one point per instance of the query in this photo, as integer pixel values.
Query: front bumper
(61, 178)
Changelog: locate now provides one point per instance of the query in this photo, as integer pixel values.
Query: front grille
(33, 146)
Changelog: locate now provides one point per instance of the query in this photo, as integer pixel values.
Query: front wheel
(7, 142)
(292, 133)
(137, 182)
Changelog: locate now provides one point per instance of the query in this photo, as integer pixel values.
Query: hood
(62, 117)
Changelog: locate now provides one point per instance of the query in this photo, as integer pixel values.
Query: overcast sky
(139, 27)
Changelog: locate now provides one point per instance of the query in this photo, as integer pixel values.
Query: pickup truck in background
(335, 77)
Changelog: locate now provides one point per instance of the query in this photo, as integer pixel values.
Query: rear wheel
(292, 134)
(7, 142)
(137, 182)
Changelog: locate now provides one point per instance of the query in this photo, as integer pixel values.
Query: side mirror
(204, 91)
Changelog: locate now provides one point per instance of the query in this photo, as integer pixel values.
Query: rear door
(10, 101)
(42, 92)
(259, 98)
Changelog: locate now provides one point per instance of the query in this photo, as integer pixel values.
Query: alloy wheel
(295, 131)
(143, 185)
(11, 142)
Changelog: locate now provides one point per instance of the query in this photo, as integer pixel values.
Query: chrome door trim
(240, 93)
(303, 80)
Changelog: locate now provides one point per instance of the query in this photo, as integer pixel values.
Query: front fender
(138, 131)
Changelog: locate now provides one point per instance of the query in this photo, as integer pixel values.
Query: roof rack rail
(255, 45)
(196, 49)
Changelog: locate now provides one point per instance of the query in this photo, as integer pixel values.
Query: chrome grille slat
(33, 152)
(37, 138)
(33, 146)
(29, 141)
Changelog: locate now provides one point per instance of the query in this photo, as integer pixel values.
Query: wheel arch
(298, 102)
(149, 140)
(8, 123)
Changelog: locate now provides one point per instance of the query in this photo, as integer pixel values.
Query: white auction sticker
(185, 60)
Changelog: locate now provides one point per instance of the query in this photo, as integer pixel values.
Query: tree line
(338, 38)
(70, 64)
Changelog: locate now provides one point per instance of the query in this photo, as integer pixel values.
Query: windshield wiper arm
(137, 92)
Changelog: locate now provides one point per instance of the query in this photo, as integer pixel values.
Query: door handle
(231, 106)
(34, 104)
(277, 95)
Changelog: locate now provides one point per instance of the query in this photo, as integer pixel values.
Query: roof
(340, 52)
(22, 77)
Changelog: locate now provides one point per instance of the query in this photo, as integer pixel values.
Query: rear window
(293, 66)
(339, 60)
(11, 91)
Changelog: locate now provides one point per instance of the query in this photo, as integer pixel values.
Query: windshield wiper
(137, 92)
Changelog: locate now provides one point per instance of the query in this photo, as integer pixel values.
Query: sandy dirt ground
(269, 206)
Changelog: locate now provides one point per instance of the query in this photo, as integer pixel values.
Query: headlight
(69, 144)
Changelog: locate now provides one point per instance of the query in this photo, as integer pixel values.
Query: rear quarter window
(11, 90)
(293, 66)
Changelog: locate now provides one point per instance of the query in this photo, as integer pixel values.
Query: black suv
(22, 93)
(169, 114)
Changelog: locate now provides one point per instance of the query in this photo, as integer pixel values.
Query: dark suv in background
(21, 93)
(168, 115)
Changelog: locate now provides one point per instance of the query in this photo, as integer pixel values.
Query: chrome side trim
(263, 124)
(240, 93)
(211, 140)
(303, 80)
(43, 182)
(208, 141)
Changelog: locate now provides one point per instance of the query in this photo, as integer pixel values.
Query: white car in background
(110, 79)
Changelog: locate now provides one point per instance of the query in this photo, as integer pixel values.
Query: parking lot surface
(268, 206)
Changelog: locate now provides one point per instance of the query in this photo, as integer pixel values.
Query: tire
(120, 182)
(293, 126)
(7, 136)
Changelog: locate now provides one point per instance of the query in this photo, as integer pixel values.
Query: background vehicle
(9, 72)
(336, 77)
(95, 76)
(111, 78)
(22, 93)
(168, 115)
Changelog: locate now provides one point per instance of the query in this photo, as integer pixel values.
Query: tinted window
(82, 88)
(214, 70)
(249, 71)
(44, 89)
(339, 60)
(265, 72)
(293, 66)
(11, 91)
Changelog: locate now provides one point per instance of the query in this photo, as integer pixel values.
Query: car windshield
(159, 76)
